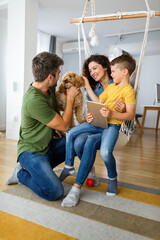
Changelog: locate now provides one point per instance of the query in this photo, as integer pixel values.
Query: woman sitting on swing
(85, 138)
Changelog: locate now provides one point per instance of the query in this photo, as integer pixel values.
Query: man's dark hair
(125, 61)
(45, 63)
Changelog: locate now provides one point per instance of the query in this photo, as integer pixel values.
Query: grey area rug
(111, 212)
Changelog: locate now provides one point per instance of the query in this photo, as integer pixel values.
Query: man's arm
(63, 123)
(126, 116)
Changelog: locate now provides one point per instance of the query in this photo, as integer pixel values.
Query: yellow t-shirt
(113, 92)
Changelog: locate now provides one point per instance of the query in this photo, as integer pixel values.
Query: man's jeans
(37, 170)
(84, 140)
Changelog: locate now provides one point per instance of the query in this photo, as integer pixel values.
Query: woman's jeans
(37, 170)
(84, 140)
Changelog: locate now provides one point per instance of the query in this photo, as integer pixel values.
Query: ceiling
(54, 16)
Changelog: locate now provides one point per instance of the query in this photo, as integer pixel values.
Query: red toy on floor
(90, 182)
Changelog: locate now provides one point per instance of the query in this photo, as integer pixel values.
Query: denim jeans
(84, 140)
(37, 170)
(81, 139)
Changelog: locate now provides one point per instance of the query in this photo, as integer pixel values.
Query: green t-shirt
(37, 110)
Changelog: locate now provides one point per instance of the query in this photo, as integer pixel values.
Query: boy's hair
(45, 63)
(125, 61)
(100, 59)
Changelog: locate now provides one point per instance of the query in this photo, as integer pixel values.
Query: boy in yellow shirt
(121, 69)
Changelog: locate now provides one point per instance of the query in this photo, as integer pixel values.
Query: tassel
(94, 41)
(92, 32)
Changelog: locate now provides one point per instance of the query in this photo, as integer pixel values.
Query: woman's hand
(120, 106)
(89, 117)
(86, 83)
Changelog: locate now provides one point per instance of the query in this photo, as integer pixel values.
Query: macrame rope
(79, 49)
(92, 33)
(87, 48)
(119, 14)
(149, 15)
(127, 127)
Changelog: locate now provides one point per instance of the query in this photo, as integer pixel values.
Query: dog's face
(72, 79)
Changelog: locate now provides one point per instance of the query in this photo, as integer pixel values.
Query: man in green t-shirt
(38, 150)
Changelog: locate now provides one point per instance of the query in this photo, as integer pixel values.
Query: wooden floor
(137, 163)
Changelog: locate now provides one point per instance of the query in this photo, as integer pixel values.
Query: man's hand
(72, 92)
(106, 112)
(120, 106)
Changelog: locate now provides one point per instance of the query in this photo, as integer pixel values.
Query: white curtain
(43, 41)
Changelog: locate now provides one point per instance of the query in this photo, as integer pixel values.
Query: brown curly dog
(68, 80)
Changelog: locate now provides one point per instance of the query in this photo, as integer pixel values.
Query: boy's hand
(72, 92)
(89, 117)
(106, 112)
(120, 106)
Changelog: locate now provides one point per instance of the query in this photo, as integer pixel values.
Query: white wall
(150, 75)
(3, 51)
(21, 48)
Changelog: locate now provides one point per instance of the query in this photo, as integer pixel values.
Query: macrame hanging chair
(127, 127)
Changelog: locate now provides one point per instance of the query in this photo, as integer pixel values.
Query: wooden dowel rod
(97, 19)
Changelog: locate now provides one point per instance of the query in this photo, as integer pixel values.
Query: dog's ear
(61, 89)
(79, 81)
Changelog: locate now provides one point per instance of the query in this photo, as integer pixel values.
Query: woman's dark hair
(100, 59)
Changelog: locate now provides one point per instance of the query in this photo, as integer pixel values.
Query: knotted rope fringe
(128, 127)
